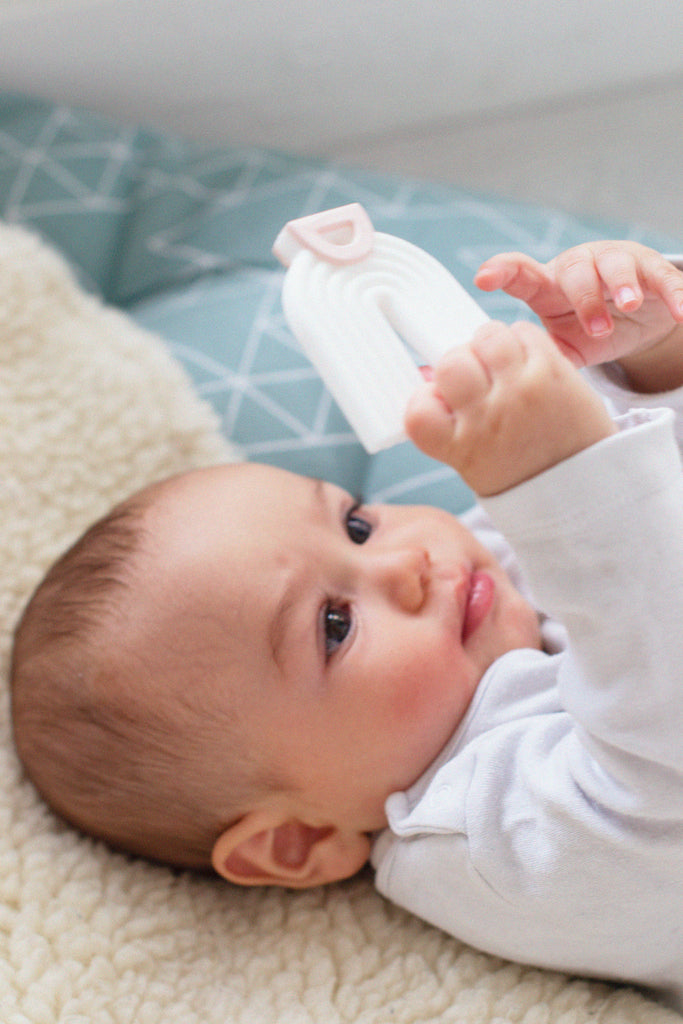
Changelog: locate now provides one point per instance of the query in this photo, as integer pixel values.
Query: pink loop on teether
(340, 236)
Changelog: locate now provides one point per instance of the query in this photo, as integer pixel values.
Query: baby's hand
(600, 301)
(504, 408)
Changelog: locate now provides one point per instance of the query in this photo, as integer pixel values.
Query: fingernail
(625, 296)
(600, 325)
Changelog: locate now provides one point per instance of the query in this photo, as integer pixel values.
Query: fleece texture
(91, 408)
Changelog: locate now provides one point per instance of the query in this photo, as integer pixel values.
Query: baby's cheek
(427, 697)
(409, 695)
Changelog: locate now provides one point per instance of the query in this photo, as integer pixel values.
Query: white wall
(315, 75)
(579, 105)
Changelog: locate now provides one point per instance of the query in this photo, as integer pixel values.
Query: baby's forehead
(216, 518)
(238, 496)
(225, 481)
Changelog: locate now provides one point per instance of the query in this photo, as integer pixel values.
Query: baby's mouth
(480, 597)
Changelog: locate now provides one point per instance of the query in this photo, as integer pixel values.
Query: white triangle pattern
(185, 235)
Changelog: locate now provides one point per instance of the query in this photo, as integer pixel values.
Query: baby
(247, 669)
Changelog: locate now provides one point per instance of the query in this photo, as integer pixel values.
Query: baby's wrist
(657, 368)
(570, 430)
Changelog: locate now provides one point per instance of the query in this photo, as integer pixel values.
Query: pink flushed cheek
(424, 714)
(421, 688)
(407, 701)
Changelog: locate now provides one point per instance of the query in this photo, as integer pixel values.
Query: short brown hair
(99, 736)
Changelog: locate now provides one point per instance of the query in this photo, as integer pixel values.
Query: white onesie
(550, 829)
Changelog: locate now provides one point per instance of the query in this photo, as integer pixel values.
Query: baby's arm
(603, 301)
(504, 408)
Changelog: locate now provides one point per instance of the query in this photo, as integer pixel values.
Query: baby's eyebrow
(291, 593)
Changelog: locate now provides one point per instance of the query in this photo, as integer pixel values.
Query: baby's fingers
(621, 272)
(459, 379)
(666, 280)
(430, 424)
(590, 275)
(515, 273)
(449, 415)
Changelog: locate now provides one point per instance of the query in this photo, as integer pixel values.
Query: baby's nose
(404, 574)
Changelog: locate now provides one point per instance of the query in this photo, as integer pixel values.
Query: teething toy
(352, 295)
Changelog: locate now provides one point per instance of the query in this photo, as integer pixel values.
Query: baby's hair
(111, 747)
(78, 589)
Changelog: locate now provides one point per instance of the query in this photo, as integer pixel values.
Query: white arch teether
(350, 295)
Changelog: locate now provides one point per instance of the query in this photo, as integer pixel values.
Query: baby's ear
(259, 849)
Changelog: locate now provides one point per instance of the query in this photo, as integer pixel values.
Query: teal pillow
(180, 236)
(72, 177)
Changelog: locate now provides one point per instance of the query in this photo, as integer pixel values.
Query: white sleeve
(600, 537)
(610, 381)
(551, 830)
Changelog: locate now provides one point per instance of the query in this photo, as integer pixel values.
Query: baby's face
(349, 639)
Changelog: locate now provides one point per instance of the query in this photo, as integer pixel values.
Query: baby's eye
(337, 626)
(358, 528)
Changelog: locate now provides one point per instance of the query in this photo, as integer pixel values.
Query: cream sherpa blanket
(92, 407)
